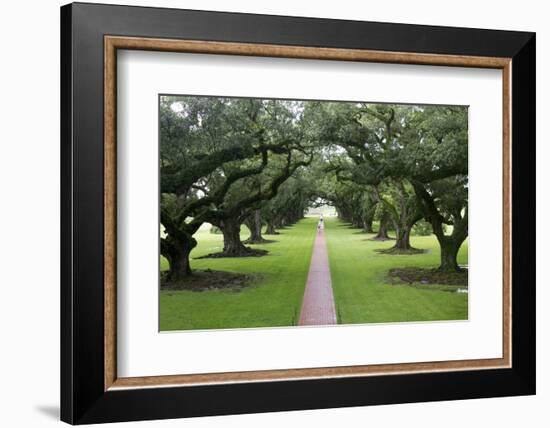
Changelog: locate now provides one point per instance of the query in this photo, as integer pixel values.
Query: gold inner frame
(113, 43)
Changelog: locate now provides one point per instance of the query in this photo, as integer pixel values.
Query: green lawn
(361, 292)
(274, 301)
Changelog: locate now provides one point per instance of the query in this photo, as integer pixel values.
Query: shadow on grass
(375, 239)
(432, 279)
(208, 279)
(250, 252)
(262, 242)
(346, 225)
(400, 252)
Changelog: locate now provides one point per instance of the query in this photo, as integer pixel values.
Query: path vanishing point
(318, 304)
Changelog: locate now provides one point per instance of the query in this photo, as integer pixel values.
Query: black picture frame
(83, 399)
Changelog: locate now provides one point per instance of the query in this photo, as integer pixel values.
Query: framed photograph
(265, 213)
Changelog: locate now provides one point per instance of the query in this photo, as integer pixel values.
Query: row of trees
(224, 161)
(404, 163)
(230, 162)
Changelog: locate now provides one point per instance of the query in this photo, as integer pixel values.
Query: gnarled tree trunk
(449, 244)
(382, 234)
(254, 224)
(403, 232)
(404, 213)
(177, 248)
(449, 252)
(367, 226)
(270, 229)
(402, 237)
(232, 245)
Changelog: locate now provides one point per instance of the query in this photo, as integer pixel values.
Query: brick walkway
(318, 304)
